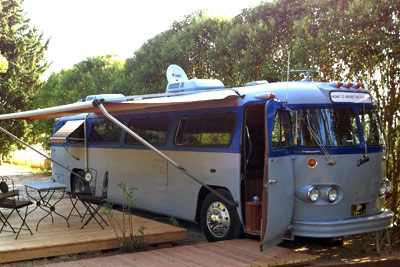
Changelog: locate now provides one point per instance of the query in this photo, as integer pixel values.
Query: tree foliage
(23, 50)
(95, 75)
(3, 64)
(190, 43)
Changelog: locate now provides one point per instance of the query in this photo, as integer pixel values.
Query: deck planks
(240, 252)
(54, 239)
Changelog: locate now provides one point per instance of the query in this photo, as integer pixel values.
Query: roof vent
(256, 83)
(179, 82)
(104, 96)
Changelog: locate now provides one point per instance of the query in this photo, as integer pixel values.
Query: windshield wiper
(323, 149)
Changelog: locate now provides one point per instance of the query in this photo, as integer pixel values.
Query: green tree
(95, 75)
(23, 49)
(190, 43)
(3, 64)
(251, 46)
(268, 30)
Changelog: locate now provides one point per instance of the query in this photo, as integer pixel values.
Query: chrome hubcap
(218, 219)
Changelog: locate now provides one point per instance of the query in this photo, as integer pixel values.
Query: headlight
(382, 188)
(332, 194)
(313, 194)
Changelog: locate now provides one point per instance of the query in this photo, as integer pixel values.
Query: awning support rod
(85, 140)
(37, 151)
(99, 104)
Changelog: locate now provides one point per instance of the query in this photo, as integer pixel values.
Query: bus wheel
(219, 220)
(78, 184)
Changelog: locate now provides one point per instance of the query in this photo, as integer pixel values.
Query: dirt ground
(359, 249)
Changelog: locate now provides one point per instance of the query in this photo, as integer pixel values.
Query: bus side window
(105, 132)
(279, 136)
(214, 130)
(77, 136)
(370, 127)
(153, 130)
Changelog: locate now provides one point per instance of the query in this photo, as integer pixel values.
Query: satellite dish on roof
(176, 73)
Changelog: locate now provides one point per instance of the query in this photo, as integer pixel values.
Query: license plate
(358, 210)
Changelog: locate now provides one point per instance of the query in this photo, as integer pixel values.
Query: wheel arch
(71, 177)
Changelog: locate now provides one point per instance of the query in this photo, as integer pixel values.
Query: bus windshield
(332, 127)
(370, 126)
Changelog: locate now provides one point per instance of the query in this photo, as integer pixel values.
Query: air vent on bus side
(193, 85)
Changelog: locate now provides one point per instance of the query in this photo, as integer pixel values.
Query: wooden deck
(54, 239)
(240, 252)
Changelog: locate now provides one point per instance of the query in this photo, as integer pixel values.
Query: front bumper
(328, 229)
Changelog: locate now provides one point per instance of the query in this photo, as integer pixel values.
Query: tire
(78, 184)
(219, 220)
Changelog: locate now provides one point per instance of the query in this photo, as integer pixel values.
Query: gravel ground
(23, 174)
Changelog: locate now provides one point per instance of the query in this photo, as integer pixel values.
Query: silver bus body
(300, 147)
(163, 189)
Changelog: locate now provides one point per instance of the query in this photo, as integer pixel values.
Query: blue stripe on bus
(234, 147)
(174, 116)
(331, 150)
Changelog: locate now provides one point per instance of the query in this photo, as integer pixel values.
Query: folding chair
(94, 203)
(86, 189)
(9, 199)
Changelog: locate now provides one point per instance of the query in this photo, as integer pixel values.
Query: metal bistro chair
(86, 187)
(9, 199)
(94, 203)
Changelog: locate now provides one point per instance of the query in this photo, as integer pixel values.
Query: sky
(81, 28)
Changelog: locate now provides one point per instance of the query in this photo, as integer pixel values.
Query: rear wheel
(78, 184)
(219, 220)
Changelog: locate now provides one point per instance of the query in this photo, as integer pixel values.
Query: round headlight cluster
(332, 194)
(313, 194)
(384, 187)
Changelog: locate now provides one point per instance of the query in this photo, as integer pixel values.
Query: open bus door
(278, 180)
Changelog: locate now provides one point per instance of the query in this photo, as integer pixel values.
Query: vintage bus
(276, 159)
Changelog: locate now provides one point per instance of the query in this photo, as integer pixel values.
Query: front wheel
(219, 220)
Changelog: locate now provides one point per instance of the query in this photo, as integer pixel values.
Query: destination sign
(350, 97)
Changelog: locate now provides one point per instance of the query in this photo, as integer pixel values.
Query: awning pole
(148, 145)
(37, 151)
(85, 140)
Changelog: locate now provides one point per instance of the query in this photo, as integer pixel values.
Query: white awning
(62, 134)
(111, 106)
